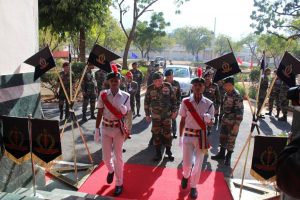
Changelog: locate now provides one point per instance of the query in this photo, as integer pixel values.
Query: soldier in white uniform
(193, 136)
(112, 136)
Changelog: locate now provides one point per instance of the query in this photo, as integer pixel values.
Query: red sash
(203, 142)
(116, 113)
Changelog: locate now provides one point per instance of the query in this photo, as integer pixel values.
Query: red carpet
(148, 182)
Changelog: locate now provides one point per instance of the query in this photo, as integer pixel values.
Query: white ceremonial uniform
(111, 137)
(191, 148)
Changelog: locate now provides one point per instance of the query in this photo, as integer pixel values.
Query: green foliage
(277, 17)
(194, 39)
(254, 75)
(240, 88)
(77, 69)
(241, 76)
(149, 36)
(252, 92)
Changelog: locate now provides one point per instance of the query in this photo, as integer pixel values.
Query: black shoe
(184, 182)
(174, 136)
(138, 115)
(157, 157)
(269, 113)
(283, 118)
(93, 117)
(110, 177)
(193, 193)
(169, 153)
(220, 155)
(118, 190)
(124, 150)
(228, 158)
(84, 119)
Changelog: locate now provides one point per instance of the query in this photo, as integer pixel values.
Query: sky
(232, 16)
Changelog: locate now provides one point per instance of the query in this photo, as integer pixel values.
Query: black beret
(229, 79)
(197, 80)
(113, 75)
(168, 72)
(156, 75)
(156, 65)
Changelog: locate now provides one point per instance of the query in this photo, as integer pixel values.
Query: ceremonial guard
(137, 77)
(160, 108)
(233, 109)
(274, 96)
(113, 105)
(176, 88)
(284, 102)
(263, 90)
(88, 88)
(212, 92)
(65, 77)
(196, 113)
(100, 77)
(131, 88)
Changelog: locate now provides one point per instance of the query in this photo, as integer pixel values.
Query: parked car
(160, 60)
(183, 74)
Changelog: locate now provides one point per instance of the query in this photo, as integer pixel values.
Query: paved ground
(137, 150)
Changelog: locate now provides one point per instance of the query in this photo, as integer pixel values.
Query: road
(138, 151)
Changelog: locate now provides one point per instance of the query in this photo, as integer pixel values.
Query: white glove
(207, 118)
(123, 109)
(180, 142)
(97, 135)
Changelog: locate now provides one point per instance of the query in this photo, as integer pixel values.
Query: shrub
(240, 88)
(254, 75)
(252, 92)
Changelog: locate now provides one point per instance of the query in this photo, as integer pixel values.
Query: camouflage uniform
(137, 77)
(212, 93)
(262, 91)
(222, 93)
(275, 96)
(176, 89)
(160, 103)
(131, 88)
(88, 87)
(233, 115)
(100, 77)
(61, 95)
(123, 83)
(284, 102)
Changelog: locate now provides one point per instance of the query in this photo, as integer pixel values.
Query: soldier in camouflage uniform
(233, 115)
(284, 102)
(131, 88)
(155, 69)
(274, 96)
(160, 108)
(222, 93)
(263, 90)
(88, 88)
(176, 88)
(100, 77)
(65, 76)
(138, 77)
(212, 93)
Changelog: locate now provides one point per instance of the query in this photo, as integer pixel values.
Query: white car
(182, 74)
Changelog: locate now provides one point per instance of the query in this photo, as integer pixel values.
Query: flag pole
(70, 72)
(31, 155)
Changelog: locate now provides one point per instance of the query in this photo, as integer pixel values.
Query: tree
(274, 47)
(148, 35)
(138, 8)
(73, 17)
(278, 17)
(222, 46)
(251, 42)
(194, 39)
(50, 38)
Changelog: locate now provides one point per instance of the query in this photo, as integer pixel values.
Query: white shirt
(119, 99)
(201, 108)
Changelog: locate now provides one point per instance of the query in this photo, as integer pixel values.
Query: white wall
(18, 35)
